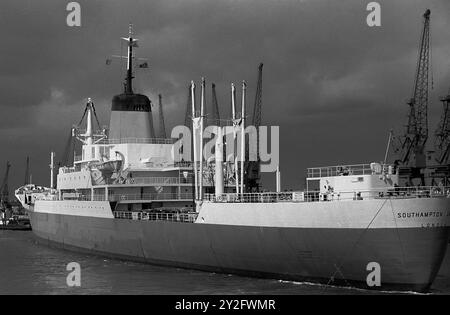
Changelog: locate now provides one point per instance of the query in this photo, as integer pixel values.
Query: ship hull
(409, 258)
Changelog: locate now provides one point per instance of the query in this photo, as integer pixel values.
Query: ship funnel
(131, 115)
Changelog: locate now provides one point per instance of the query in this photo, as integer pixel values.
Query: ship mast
(131, 42)
(89, 132)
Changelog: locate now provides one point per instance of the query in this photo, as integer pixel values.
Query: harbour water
(29, 267)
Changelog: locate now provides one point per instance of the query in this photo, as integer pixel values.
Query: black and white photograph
(225, 153)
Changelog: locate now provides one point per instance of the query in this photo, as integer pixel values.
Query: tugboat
(15, 222)
(13, 218)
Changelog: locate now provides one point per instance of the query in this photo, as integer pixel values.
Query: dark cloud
(334, 85)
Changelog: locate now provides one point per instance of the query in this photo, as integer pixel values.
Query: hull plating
(409, 257)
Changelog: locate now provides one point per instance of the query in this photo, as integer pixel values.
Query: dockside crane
(253, 168)
(27, 172)
(412, 157)
(162, 126)
(4, 189)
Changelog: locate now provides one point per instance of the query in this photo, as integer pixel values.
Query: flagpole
(129, 89)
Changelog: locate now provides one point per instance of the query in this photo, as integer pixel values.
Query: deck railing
(138, 140)
(313, 196)
(160, 196)
(135, 197)
(160, 181)
(297, 196)
(161, 215)
(337, 170)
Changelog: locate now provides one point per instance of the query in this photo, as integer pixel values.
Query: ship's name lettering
(421, 214)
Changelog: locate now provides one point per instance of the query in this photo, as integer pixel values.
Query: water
(27, 267)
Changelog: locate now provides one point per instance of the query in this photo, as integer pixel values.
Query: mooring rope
(340, 264)
(397, 231)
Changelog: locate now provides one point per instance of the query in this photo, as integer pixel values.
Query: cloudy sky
(334, 85)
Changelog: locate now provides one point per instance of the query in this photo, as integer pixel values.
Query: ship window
(93, 152)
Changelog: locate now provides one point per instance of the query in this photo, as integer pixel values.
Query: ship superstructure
(130, 168)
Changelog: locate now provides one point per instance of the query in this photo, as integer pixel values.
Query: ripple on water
(27, 267)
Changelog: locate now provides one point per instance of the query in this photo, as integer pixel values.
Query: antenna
(132, 42)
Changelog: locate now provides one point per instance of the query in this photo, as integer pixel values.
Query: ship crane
(88, 136)
(4, 189)
(214, 119)
(412, 149)
(253, 168)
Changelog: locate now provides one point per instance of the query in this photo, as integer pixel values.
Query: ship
(126, 197)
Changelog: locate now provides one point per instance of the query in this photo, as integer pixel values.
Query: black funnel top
(131, 102)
